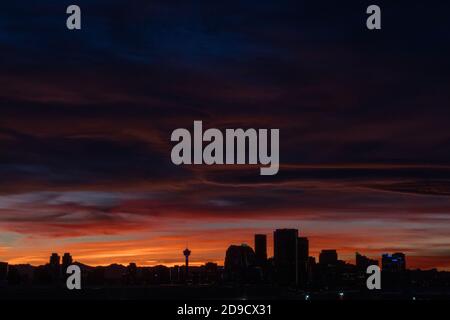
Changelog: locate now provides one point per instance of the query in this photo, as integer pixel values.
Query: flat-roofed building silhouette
(393, 262)
(285, 255)
(302, 260)
(261, 249)
(328, 257)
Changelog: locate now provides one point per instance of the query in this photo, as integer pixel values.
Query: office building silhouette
(55, 267)
(261, 249)
(328, 257)
(362, 262)
(302, 261)
(66, 261)
(285, 255)
(55, 260)
(393, 262)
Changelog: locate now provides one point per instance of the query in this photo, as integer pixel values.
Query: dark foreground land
(180, 292)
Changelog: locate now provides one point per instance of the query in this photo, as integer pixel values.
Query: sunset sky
(86, 118)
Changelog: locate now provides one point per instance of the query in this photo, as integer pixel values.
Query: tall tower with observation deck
(186, 254)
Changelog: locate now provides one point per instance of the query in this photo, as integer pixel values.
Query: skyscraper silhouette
(55, 267)
(302, 260)
(393, 271)
(54, 260)
(261, 249)
(393, 262)
(328, 257)
(285, 255)
(66, 261)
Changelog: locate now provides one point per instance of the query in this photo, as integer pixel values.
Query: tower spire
(187, 253)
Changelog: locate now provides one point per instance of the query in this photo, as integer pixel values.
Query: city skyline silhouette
(291, 266)
(87, 116)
